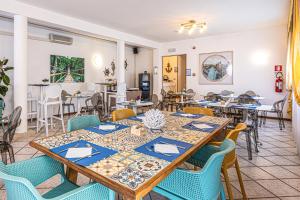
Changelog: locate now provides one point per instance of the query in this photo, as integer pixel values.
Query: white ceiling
(159, 19)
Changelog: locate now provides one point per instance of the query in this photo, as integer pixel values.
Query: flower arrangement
(154, 119)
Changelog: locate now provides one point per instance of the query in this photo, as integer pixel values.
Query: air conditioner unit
(60, 39)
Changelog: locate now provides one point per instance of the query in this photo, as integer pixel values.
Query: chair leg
(46, 119)
(222, 195)
(228, 186)
(279, 121)
(238, 172)
(11, 154)
(249, 145)
(62, 119)
(282, 120)
(4, 156)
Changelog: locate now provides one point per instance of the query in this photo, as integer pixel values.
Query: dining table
(127, 162)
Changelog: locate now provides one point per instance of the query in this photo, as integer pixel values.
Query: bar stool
(52, 97)
(31, 101)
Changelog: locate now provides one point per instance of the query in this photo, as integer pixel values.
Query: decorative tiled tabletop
(127, 167)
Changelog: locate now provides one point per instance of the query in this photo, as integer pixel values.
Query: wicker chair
(251, 93)
(5, 145)
(21, 178)
(93, 104)
(122, 114)
(199, 110)
(210, 96)
(66, 102)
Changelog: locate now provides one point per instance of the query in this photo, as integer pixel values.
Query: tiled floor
(273, 173)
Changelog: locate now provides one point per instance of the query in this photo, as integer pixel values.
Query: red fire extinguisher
(279, 82)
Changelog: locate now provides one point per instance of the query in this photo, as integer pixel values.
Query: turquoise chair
(80, 122)
(201, 185)
(21, 178)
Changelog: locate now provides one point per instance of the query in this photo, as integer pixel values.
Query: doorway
(173, 74)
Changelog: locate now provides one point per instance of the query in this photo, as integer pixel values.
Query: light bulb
(181, 29)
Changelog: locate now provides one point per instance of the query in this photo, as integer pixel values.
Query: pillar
(20, 68)
(121, 88)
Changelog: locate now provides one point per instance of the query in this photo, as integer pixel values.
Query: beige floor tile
(261, 161)
(279, 172)
(279, 144)
(254, 190)
(233, 176)
(295, 159)
(295, 183)
(294, 169)
(244, 162)
(27, 151)
(280, 160)
(256, 173)
(236, 193)
(22, 157)
(278, 188)
(281, 152)
(290, 198)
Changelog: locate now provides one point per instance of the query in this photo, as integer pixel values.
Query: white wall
(247, 74)
(39, 51)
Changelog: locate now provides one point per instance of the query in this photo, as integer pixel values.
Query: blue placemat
(194, 128)
(161, 140)
(245, 106)
(104, 152)
(96, 129)
(135, 118)
(193, 116)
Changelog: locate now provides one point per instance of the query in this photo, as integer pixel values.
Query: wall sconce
(97, 60)
(155, 70)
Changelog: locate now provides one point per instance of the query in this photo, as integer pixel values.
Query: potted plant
(4, 82)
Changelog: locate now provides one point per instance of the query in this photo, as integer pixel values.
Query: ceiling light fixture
(191, 26)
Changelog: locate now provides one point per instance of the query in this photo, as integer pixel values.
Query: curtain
(293, 54)
(295, 47)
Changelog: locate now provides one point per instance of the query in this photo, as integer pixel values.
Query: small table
(41, 87)
(135, 105)
(78, 97)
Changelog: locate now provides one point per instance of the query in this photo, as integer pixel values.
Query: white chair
(52, 97)
(31, 102)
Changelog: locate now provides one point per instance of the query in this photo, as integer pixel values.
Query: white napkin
(107, 127)
(79, 152)
(186, 115)
(166, 148)
(202, 126)
(140, 117)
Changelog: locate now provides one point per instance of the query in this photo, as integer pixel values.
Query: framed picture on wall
(65, 69)
(216, 68)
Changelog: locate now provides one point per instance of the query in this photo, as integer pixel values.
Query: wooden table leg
(72, 175)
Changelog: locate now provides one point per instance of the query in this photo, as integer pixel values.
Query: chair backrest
(53, 92)
(190, 91)
(13, 122)
(251, 93)
(64, 95)
(122, 114)
(278, 105)
(246, 99)
(80, 122)
(199, 110)
(21, 178)
(212, 97)
(96, 99)
(226, 92)
(211, 172)
(234, 133)
(206, 183)
(230, 157)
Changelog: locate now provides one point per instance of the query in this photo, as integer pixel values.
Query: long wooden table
(115, 172)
